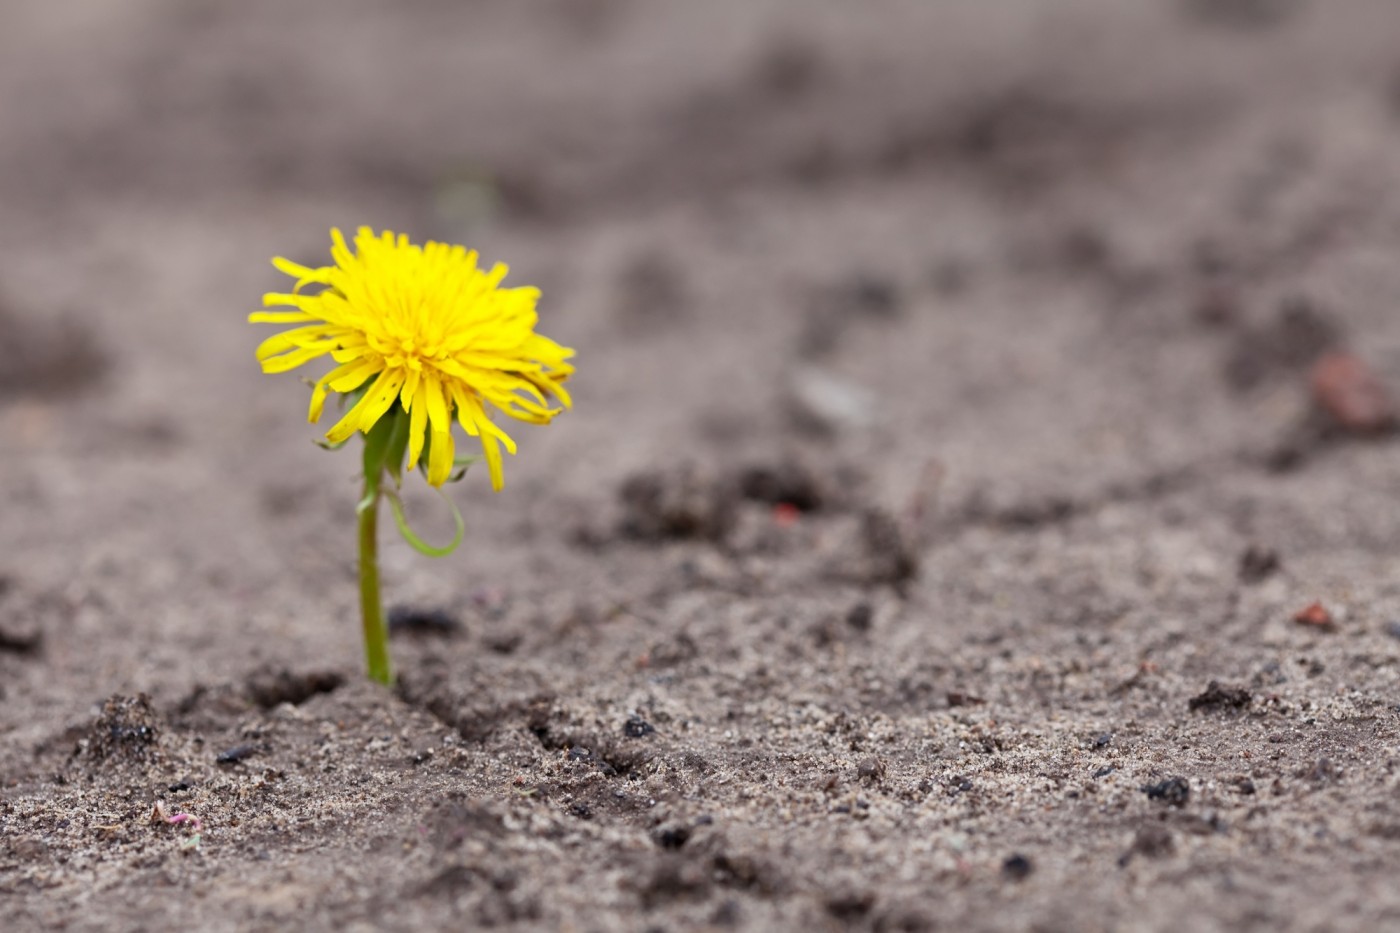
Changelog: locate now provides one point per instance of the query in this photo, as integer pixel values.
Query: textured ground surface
(943, 431)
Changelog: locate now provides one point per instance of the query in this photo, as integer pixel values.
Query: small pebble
(1017, 868)
(408, 620)
(1217, 696)
(1351, 393)
(1174, 791)
(236, 754)
(871, 769)
(1315, 615)
(1258, 564)
(636, 728)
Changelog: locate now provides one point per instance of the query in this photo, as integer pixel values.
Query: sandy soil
(926, 548)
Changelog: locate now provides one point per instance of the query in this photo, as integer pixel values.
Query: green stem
(371, 608)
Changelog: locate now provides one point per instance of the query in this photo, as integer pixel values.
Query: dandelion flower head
(422, 327)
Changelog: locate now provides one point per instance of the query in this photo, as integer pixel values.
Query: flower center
(404, 351)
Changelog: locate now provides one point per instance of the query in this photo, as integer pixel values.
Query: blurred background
(1042, 250)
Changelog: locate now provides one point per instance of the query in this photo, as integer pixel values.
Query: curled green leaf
(409, 535)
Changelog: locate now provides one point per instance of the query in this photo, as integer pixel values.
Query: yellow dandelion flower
(423, 327)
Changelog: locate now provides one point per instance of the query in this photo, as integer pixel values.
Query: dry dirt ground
(923, 551)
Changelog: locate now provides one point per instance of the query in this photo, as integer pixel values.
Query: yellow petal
(304, 275)
(280, 364)
(353, 418)
(436, 404)
(441, 458)
(279, 299)
(488, 427)
(417, 426)
(493, 462)
(410, 389)
(344, 374)
(474, 420)
(339, 251)
(305, 337)
(280, 317)
(381, 397)
(443, 450)
(353, 373)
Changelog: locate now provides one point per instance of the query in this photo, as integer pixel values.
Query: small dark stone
(1393, 629)
(1173, 791)
(1153, 840)
(871, 769)
(581, 810)
(1218, 697)
(269, 688)
(871, 295)
(408, 620)
(236, 754)
(637, 728)
(180, 787)
(850, 906)
(1270, 674)
(860, 616)
(1103, 740)
(1258, 564)
(672, 837)
(1017, 868)
(503, 642)
(788, 481)
(1103, 772)
(24, 640)
(958, 698)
